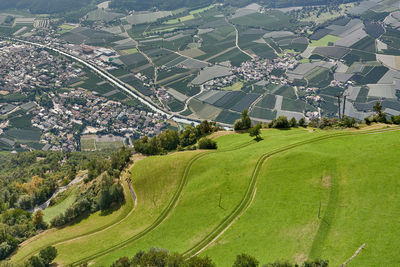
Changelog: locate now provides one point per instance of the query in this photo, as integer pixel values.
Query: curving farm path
(237, 39)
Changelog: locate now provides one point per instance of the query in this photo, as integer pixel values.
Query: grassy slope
(282, 221)
(150, 192)
(51, 212)
(358, 201)
(225, 173)
(87, 225)
(155, 182)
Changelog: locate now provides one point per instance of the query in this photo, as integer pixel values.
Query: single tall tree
(256, 132)
(38, 218)
(378, 108)
(244, 122)
(48, 255)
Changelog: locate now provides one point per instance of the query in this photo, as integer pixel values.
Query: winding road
(237, 39)
(103, 228)
(57, 192)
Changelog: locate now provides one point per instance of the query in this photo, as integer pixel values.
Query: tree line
(99, 195)
(170, 140)
(162, 258)
(45, 6)
(176, 4)
(244, 123)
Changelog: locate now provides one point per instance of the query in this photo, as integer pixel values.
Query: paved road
(58, 191)
(237, 39)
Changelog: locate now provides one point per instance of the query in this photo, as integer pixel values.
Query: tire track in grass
(165, 213)
(246, 201)
(327, 219)
(134, 197)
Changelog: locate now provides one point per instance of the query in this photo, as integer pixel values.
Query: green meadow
(297, 194)
(325, 41)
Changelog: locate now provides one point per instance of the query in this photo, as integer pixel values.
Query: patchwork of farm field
(273, 20)
(197, 40)
(185, 51)
(319, 199)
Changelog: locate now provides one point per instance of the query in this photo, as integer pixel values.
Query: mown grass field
(60, 207)
(348, 176)
(325, 41)
(234, 87)
(354, 179)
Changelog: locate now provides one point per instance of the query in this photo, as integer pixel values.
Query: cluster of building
(24, 68)
(256, 70)
(219, 83)
(79, 111)
(100, 56)
(259, 69)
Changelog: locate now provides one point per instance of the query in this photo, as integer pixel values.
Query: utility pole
(319, 210)
(220, 198)
(344, 104)
(338, 100)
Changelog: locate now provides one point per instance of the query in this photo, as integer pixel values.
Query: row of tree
(113, 166)
(99, 196)
(381, 116)
(162, 258)
(176, 4)
(172, 140)
(244, 123)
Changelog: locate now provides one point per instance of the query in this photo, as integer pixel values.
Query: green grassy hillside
(297, 194)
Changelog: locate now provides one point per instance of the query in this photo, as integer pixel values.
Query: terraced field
(249, 197)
